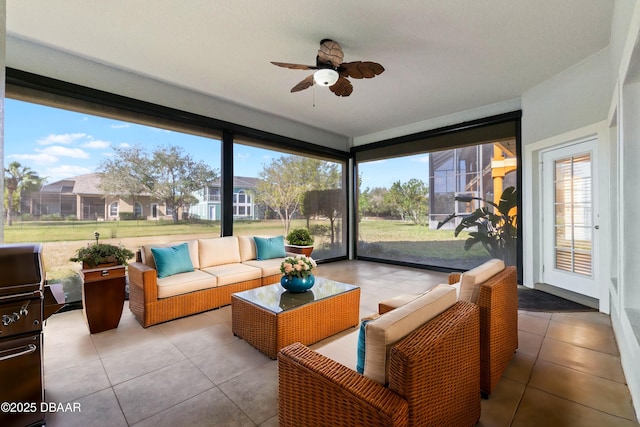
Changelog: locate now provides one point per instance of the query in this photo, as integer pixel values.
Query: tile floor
(194, 372)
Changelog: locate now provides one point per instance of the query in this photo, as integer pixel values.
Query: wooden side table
(103, 294)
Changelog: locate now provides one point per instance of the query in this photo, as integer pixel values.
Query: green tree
(374, 202)
(410, 200)
(285, 180)
(327, 203)
(18, 179)
(167, 174)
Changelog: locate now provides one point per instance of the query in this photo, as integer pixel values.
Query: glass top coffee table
(270, 318)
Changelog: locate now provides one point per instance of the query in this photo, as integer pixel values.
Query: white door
(570, 218)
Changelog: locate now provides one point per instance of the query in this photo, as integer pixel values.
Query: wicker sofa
(493, 287)
(222, 266)
(432, 380)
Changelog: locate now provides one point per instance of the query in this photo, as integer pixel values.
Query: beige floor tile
(583, 389)
(520, 367)
(201, 342)
(592, 335)
(125, 337)
(187, 324)
(211, 408)
(582, 318)
(529, 343)
(66, 385)
(539, 408)
(535, 325)
(224, 362)
(540, 314)
(99, 409)
(582, 359)
(152, 393)
(126, 365)
(255, 392)
(69, 351)
(500, 408)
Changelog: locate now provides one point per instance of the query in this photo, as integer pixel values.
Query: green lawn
(393, 240)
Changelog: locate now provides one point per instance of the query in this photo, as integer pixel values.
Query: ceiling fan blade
(361, 69)
(342, 87)
(330, 52)
(306, 83)
(294, 66)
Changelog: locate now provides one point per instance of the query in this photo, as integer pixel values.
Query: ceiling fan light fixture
(325, 77)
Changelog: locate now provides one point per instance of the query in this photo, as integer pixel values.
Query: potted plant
(299, 241)
(496, 230)
(102, 255)
(297, 273)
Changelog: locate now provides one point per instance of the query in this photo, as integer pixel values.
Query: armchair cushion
(470, 281)
(382, 333)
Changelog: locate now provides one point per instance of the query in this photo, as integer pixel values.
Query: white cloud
(96, 143)
(243, 156)
(40, 158)
(60, 151)
(65, 138)
(121, 126)
(124, 145)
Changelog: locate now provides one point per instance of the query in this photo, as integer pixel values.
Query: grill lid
(21, 268)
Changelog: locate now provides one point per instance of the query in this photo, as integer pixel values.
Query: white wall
(45, 61)
(570, 100)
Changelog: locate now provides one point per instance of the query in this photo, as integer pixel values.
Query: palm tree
(18, 178)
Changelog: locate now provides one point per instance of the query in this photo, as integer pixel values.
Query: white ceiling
(441, 57)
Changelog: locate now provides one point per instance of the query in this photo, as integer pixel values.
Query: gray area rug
(535, 300)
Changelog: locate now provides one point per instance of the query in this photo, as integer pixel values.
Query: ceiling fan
(332, 72)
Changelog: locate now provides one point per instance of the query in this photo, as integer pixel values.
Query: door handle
(28, 349)
(597, 227)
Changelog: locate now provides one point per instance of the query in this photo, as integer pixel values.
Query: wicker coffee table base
(269, 332)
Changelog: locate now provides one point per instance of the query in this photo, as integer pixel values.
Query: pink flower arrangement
(299, 266)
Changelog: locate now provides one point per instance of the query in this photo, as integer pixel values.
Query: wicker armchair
(498, 302)
(433, 380)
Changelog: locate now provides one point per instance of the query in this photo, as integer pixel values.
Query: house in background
(477, 171)
(82, 197)
(209, 206)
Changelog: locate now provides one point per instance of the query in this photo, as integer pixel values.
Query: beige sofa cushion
(233, 273)
(147, 256)
(269, 267)
(470, 281)
(385, 331)
(185, 282)
(247, 248)
(218, 251)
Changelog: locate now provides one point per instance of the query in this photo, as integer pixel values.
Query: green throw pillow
(269, 247)
(172, 260)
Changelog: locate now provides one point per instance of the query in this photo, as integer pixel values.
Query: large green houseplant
(496, 230)
(91, 256)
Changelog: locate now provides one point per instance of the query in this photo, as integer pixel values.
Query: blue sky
(60, 144)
